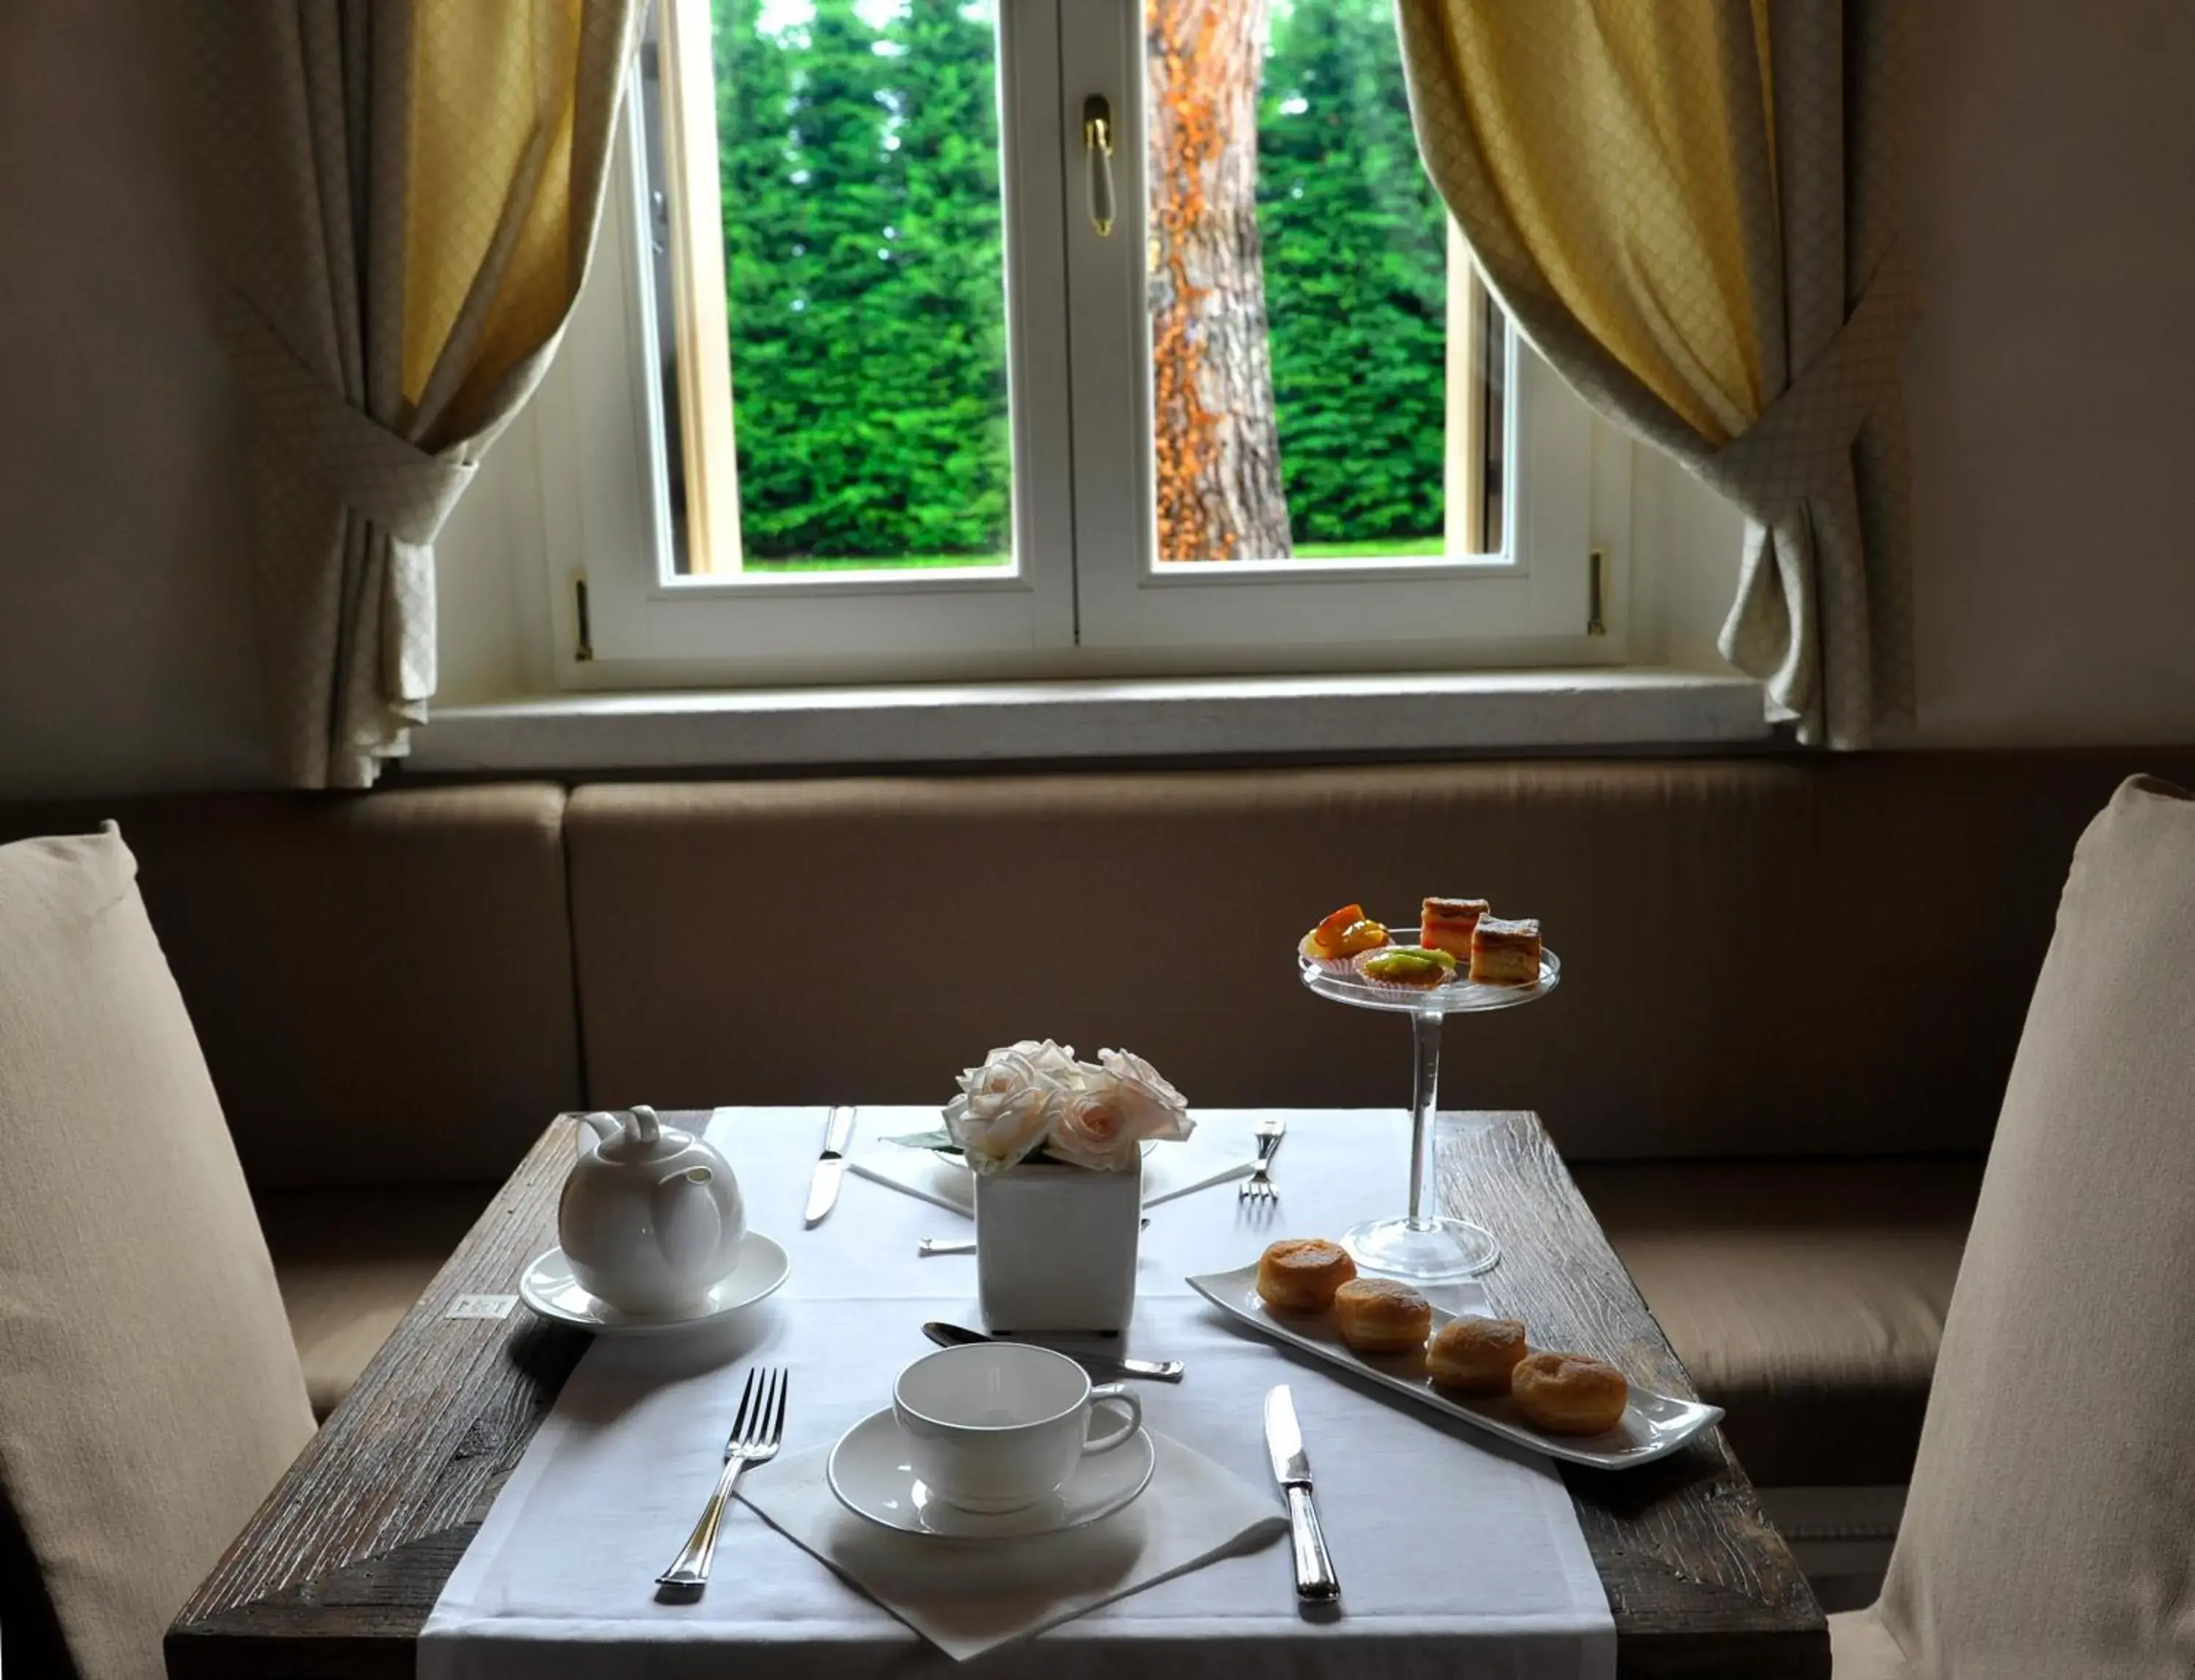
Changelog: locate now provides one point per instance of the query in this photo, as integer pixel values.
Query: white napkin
(919, 1172)
(1175, 1169)
(1170, 1169)
(966, 1600)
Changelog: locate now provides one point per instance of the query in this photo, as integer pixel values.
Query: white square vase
(1055, 1247)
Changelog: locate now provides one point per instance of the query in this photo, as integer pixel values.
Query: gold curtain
(405, 194)
(1690, 207)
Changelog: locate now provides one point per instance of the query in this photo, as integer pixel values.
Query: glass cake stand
(1421, 1245)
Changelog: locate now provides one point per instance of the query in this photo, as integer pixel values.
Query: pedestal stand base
(1422, 1251)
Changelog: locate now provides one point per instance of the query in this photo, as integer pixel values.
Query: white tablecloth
(1458, 1556)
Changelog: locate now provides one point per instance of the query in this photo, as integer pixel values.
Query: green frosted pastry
(1407, 966)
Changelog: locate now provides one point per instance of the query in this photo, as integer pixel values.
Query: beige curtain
(405, 194)
(1690, 207)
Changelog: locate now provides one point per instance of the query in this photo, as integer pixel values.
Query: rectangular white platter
(1654, 1425)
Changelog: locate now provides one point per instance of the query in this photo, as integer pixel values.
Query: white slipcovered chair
(2049, 1533)
(150, 1393)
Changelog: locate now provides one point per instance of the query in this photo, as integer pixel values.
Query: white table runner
(1457, 1556)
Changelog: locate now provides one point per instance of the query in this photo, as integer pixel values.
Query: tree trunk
(1219, 479)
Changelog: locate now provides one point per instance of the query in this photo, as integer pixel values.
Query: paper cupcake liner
(1397, 989)
(1401, 988)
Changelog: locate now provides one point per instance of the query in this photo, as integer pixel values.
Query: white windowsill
(1151, 717)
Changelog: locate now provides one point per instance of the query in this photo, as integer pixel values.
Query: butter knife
(1097, 1365)
(1316, 1580)
(823, 1190)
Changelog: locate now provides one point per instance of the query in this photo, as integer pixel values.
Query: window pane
(857, 189)
(1317, 392)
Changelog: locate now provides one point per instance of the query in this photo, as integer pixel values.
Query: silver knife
(823, 1191)
(1315, 1577)
(1097, 1365)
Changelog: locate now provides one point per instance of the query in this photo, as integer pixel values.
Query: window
(909, 354)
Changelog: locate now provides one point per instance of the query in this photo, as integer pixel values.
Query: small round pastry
(1378, 1315)
(1476, 1356)
(1411, 966)
(1299, 1274)
(1568, 1394)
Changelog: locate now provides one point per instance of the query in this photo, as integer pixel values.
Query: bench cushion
(1805, 1298)
(1714, 1003)
(381, 983)
(351, 1263)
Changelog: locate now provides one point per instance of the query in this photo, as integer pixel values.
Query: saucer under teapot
(548, 1287)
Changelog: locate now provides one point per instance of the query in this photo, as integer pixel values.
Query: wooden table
(336, 1574)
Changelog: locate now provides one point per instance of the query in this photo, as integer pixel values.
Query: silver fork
(757, 1428)
(1259, 1186)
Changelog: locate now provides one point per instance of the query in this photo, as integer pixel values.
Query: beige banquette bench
(1793, 988)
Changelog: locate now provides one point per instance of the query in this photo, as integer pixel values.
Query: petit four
(1446, 924)
(1410, 966)
(1505, 953)
(1342, 936)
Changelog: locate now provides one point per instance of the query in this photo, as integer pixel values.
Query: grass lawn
(897, 562)
(1385, 548)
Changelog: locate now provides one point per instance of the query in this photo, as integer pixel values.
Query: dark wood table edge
(1699, 1588)
(296, 1594)
(1665, 1580)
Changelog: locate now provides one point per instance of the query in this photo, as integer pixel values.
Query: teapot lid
(639, 1135)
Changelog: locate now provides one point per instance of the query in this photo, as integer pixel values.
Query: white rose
(1005, 1107)
(1160, 1111)
(1095, 1124)
(1057, 1061)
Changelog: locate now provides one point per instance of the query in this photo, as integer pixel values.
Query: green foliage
(950, 305)
(863, 257)
(866, 294)
(1356, 252)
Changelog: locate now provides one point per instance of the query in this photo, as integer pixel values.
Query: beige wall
(2053, 382)
(125, 652)
(2051, 388)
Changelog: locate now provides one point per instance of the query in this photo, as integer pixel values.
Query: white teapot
(651, 1217)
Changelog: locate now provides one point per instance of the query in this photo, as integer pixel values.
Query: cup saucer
(869, 1472)
(548, 1286)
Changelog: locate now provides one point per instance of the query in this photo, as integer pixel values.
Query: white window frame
(1086, 597)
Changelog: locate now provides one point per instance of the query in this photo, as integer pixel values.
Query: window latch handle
(1097, 161)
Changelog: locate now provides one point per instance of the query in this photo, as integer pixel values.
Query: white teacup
(998, 1426)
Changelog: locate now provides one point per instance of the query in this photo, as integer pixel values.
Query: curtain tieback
(1804, 438)
(398, 485)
